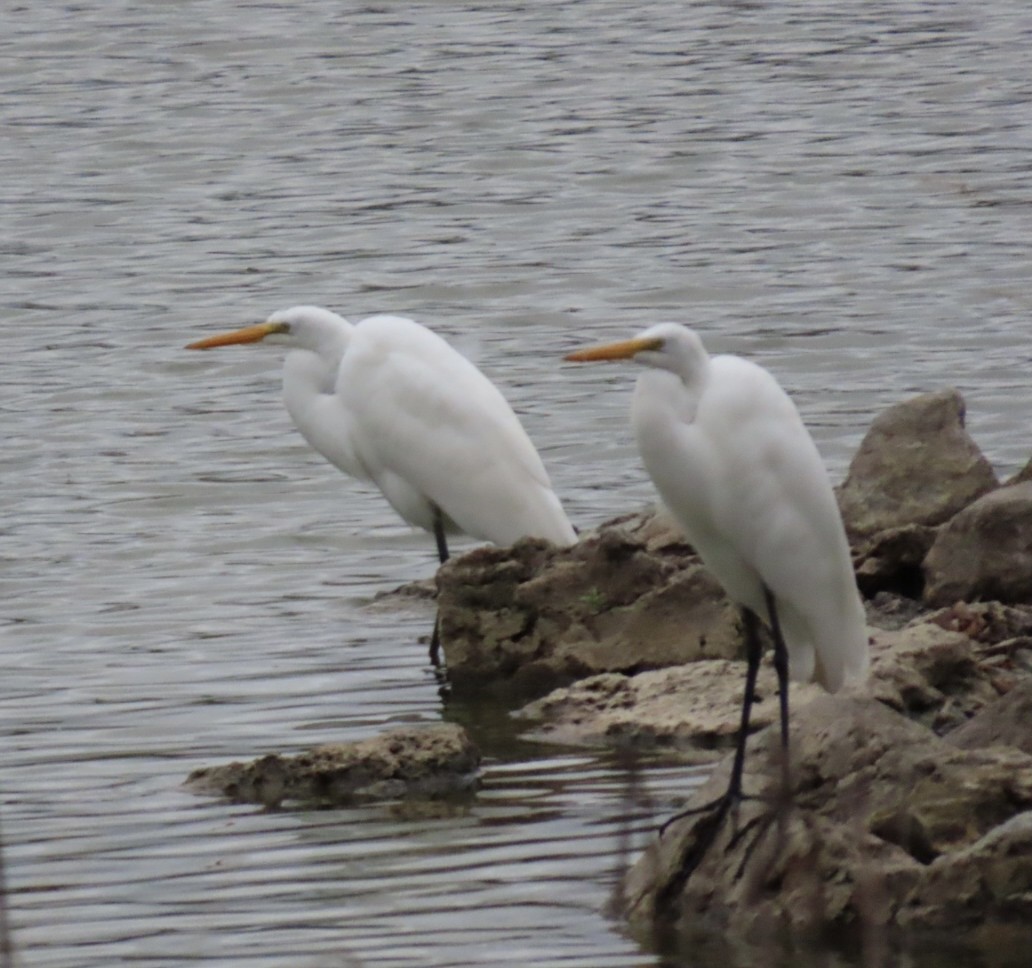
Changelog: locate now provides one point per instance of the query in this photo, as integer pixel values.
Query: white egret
(389, 401)
(731, 459)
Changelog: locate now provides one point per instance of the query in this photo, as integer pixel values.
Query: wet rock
(629, 597)
(916, 465)
(416, 761)
(694, 707)
(985, 552)
(885, 818)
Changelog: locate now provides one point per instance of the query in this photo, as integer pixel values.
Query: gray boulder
(916, 465)
(984, 552)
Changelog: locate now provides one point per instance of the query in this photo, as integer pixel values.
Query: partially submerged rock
(889, 826)
(410, 762)
(908, 807)
(916, 465)
(629, 597)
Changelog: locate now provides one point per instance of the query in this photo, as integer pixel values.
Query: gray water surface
(841, 191)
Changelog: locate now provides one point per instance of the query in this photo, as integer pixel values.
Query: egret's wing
(779, 509)
(431, 428)
(746, 481)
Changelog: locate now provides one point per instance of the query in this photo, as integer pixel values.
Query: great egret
(731, 459)
(389, 401)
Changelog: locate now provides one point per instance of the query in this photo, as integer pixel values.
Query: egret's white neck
(309, 384)
(313, 369)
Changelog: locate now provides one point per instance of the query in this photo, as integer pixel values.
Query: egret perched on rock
(389, 401)
(731, 459)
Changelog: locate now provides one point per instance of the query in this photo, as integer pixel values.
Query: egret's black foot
(758, 827)
(704, 832)
(724, 805)
(719, 810)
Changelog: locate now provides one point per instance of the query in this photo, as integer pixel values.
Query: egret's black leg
(442, 541)
(781, 668)
(753, 653)
(442, 554)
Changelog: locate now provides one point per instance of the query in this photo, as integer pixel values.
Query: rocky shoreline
(912, 795)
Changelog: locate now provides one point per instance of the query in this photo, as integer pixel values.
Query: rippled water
(840, 190)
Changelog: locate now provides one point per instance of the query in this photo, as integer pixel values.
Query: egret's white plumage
(732, 460)
(730, 457)
(389, 401)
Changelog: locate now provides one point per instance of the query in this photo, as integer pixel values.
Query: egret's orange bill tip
(613, 351)
(249, 334)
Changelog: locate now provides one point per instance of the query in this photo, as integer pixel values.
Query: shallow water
(841, 191)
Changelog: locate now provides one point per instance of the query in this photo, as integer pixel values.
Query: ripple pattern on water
(841, 191)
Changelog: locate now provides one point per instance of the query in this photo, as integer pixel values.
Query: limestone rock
(931, 674)
(1006, 722)
(884, 817)
(985, 552)
(417, 761)
(694, 707)
(935, 675)
(1025, 474)
(993, 874)
(628, 597)
(916, 465)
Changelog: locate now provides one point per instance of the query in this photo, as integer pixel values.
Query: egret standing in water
(731, 459)
(389, 401)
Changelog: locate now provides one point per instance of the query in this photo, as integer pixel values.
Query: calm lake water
(839, 190)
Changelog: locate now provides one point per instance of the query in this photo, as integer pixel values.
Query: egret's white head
(665, 346)
(304, 327)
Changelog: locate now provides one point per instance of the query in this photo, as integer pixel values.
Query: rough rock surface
(932, 673)
(417, 761)
(891, 560)
(1006, 722)
(628, 597)
(984, 552)
(693, 707)
(916, 465)
(913, 794)
(890, 826)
